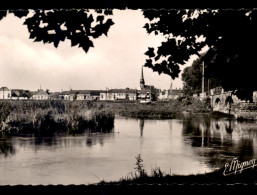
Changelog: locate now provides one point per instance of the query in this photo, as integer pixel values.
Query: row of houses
(111, 94)
(20, 94)
(120, 94)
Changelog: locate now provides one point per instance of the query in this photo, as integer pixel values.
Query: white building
(40, 95)
(5, 93)
(122, 94)
(163, 95)
(103, 95)
(83, 95)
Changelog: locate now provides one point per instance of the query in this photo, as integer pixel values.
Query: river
(184, 147)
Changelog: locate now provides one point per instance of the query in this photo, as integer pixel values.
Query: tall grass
(47, 117)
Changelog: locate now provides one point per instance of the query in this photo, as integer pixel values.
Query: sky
(115, 61)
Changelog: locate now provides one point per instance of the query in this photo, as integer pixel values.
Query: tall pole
(170, 88)
(208, 86)
(203, 79)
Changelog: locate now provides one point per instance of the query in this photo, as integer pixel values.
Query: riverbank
(155, 110)
(157, 176)
(172, 109)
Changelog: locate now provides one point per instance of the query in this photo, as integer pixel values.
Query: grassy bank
(48, 117)
(157, 176)
(155, 110)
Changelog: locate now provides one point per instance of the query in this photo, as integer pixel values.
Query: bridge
(224, 102)
(229, 103)
(220, 100)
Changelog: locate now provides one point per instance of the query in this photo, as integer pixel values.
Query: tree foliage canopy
(231, 36)
(80, 26)
(192, 77)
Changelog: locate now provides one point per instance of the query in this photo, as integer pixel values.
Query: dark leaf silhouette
(80, 26)
(2, 14)
(100, 19)
(19, 13)
(149, 63)
(150, 52)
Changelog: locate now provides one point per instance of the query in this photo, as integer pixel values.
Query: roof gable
(40, 92)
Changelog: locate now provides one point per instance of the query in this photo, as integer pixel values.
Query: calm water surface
(183, 147)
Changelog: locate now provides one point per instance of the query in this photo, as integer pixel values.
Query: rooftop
(4, 89)
(122, 91)
(40, 92)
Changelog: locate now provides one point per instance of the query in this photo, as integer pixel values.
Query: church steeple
(142, 81)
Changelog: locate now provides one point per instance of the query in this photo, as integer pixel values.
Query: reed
(44, 118)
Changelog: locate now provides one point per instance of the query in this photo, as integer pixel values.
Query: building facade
(83, 95)
(103, 95)
(40, 95)
(163, 95)
(122, 94)
(5, 93)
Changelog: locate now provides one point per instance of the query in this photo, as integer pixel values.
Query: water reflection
(6, 148)
(141, 125)
(221, 140)
(9, 146)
